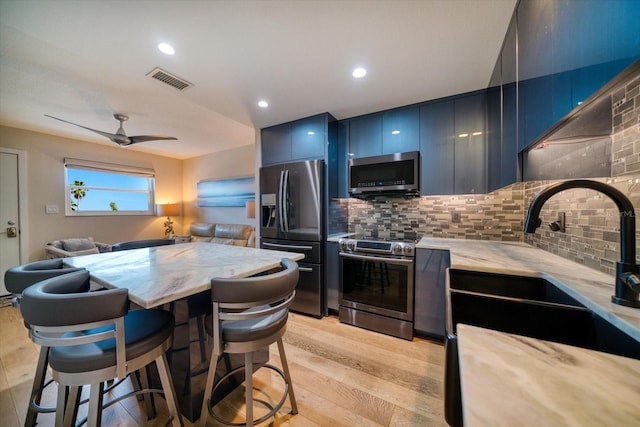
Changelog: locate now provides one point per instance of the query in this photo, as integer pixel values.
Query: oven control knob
(396, 248)
(343, 244)
(408, 250)
(351, 245)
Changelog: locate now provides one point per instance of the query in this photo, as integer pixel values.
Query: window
(95, 188)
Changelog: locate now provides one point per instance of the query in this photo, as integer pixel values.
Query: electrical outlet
(51, 209)
(455, 216)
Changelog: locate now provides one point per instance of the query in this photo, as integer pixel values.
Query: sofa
(225, 234)
(64, 248)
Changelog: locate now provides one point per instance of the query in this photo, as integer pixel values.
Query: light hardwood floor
(342, 376)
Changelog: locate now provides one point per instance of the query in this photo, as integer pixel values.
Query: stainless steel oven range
(376, 285)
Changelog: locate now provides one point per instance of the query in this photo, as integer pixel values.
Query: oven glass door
(377, 284)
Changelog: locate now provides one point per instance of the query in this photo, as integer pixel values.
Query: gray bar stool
(20, 277)
(16, 280)
(248, 315)
(93, 338)
(138, 244)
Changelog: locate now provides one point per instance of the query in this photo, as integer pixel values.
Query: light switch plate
(52, 209)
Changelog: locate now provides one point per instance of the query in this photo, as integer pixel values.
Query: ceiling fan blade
(143, 138)
(105, 134)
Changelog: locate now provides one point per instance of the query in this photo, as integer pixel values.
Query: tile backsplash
(592, 220)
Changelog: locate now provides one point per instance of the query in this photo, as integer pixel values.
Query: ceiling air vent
(169, 79)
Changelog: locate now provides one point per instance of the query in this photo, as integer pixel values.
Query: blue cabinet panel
(308, 137)
(276, 144)
(400, 130)
(365, 136)
(436, 147)
(470, 160)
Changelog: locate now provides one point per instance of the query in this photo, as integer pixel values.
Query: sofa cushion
(233, 231)
(203, 229)
(221, 240)
(195, 238)
(74, 245)
(86, 252)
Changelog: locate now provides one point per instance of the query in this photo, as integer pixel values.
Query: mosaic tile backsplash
(592, 220)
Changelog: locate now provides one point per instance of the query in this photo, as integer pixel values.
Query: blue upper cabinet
(308, 138)
(401, 130)
(276, 144)
(302, 139)
(566, 51)
(470, 144)
(365, 136)
(391, 131)
(436, 147)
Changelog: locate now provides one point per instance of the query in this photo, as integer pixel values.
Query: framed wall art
(233, 192)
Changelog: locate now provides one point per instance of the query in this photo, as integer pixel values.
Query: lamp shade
(168, 209)
(250, 207)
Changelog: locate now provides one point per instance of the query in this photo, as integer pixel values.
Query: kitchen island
(509, 379)
(180, 276)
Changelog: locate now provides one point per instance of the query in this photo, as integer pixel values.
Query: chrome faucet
(627, 286)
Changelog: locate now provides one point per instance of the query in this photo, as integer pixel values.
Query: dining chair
(250, 314)
(93, 337)
(16, 280)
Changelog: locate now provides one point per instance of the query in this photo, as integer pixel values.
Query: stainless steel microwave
(397, 173)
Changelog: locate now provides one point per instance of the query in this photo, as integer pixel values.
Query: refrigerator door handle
(285, 201)
(280, 199)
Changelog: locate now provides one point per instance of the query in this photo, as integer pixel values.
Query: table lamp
(250, 208)
(168, 210)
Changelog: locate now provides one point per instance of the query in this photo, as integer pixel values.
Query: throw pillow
(73, 245)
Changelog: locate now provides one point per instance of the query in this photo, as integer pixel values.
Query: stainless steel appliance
(291, 219)
(397, 173)
(377, 285)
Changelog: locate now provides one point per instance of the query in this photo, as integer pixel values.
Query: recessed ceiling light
(395, 132)
(263, 104)
(476, 133)
(463, 135)
(311, 132)
(166, 48)
(359, 72)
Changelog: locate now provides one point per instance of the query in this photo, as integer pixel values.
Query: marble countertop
(159, 275)
(590, 287)
(515, 380)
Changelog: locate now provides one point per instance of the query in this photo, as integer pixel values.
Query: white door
(9, 214)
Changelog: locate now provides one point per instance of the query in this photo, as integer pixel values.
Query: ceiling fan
(120, 137)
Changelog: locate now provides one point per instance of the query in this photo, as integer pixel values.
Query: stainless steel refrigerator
(291, 219)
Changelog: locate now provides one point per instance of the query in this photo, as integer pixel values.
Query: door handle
(12, 232)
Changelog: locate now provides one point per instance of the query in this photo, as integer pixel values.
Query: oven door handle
(398, 261)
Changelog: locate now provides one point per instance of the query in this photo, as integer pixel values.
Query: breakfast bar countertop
(159, 275)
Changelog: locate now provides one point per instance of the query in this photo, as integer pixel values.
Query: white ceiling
(85, 60)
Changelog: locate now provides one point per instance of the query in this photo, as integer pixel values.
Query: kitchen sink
(511, 286)
(520, 305)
